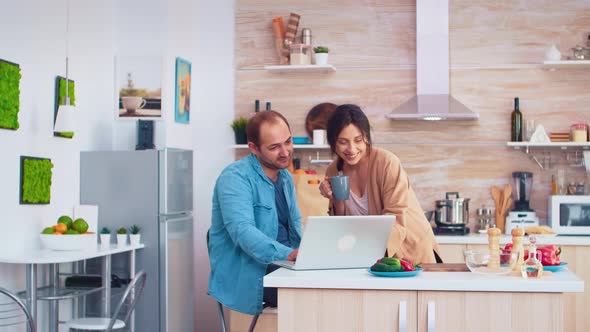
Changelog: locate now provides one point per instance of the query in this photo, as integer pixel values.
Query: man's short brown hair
(256, 121)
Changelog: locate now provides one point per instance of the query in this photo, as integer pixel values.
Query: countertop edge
(483, 239)
(560, 282)
(46, 256)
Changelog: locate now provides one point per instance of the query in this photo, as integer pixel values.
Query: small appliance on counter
(451, 215)
(569, 214)
(522, 215)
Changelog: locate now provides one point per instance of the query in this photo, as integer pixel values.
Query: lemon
(47, 230)
(65, 220)
(80, 225)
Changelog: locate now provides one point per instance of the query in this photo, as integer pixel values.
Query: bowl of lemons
(68, 235)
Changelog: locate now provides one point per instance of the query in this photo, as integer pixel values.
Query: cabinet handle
(403, 317)
(431, 316)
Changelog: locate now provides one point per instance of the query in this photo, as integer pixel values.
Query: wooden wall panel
(371, 33)
(515, 32)
(496, 51)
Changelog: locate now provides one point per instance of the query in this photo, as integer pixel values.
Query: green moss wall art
(35, 180)
(9, 94)
(60, 95)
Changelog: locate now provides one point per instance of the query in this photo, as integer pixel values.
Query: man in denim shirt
(255, 218)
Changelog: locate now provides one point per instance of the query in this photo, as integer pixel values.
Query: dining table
(33, 259)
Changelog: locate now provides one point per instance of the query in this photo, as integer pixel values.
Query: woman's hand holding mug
(326, 188)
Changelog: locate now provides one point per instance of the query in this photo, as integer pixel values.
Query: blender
(522, 215)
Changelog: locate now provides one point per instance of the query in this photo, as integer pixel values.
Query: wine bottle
(516, 128)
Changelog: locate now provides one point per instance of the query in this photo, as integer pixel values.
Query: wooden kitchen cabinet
(489, 311)
(576, 304)
(317, 310)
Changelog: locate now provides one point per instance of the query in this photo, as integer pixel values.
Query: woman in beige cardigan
(378, 185)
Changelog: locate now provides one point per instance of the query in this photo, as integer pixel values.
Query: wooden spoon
(506, 197)
(496, 195)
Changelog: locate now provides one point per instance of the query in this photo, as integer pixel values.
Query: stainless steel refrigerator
(153, 189)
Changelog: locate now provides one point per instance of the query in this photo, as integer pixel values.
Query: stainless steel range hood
(433, 101)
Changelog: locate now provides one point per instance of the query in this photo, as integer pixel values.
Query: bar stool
(222, 319)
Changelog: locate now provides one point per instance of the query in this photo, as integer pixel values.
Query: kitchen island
(354, 300)
(575, 251)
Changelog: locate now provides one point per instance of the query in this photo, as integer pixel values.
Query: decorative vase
(321, 58)
(241, 137)
(121, 240)
(105, 240)
(134, 239)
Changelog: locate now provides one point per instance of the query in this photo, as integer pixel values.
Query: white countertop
(558, 282)
(483, 239)
(46, 256)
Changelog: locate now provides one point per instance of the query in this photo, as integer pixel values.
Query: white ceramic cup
(319, 137)
(131, 104)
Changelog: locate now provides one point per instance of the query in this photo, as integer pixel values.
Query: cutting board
(445, 267)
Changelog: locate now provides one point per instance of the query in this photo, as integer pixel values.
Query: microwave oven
(570, 214)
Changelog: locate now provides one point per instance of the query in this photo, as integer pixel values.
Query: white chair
(120, 317)
(14, 312)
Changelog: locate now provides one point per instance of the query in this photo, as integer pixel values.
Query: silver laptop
(341, 242)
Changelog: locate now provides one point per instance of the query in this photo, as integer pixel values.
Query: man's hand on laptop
(293, 255)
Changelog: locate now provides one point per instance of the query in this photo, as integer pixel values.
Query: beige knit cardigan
(390, 192)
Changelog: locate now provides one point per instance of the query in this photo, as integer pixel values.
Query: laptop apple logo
(346, 242)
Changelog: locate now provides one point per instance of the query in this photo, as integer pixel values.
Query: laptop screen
(337, 242)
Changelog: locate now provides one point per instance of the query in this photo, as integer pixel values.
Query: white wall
(33, 34)
(213, 88)
(190, 29)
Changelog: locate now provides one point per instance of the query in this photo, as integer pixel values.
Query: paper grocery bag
(311, 202)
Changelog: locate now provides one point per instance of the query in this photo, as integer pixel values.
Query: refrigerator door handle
(172, 217)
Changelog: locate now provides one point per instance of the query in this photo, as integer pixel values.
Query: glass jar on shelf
(579, 132)
(300, 54)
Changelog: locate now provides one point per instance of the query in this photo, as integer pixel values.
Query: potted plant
(321, 55)
(105, 237)
(122, 236)
(134, 235)
(239, 127)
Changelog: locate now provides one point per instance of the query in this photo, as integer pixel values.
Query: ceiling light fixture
(64, 121)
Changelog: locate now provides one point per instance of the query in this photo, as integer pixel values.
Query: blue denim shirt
(242, 237)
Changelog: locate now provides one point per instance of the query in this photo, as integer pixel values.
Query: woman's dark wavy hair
(343, 116)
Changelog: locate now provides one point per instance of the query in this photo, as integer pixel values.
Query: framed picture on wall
(139, 87)
(182, 93)
(35, 180)
(9, 94)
